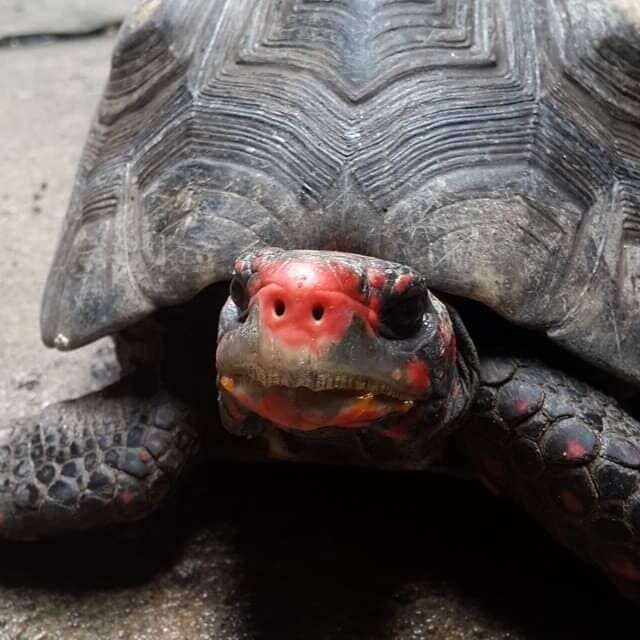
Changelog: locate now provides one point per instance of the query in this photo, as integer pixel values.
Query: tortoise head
(312, 340)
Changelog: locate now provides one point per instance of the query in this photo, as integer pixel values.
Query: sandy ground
(245, 552)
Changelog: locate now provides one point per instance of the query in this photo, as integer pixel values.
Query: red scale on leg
(570, 442)
(517, 401)
(576, 450)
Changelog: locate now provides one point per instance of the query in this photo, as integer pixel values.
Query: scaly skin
(568, 454)
(108, 457)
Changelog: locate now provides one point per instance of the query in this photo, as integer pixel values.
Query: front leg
(568, 454)
(107, 457)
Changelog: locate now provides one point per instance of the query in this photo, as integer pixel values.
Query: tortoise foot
(569, 455)
(107, 457)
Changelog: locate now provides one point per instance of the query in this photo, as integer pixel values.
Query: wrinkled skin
(345, 344)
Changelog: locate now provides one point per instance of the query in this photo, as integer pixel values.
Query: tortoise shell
(493, 145)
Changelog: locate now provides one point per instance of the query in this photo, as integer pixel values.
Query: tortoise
(403, 234)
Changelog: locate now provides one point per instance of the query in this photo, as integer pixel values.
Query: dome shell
(492, 145)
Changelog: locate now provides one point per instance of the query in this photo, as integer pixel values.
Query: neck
(468, 366)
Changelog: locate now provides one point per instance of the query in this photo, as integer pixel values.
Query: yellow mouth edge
(361, 403)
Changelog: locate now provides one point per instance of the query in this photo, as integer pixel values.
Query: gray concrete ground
(48, 96)
(245, 551)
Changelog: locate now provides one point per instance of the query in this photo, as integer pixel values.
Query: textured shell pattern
(493, 145)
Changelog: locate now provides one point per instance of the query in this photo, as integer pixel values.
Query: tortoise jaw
(305, 409)
(315, 379)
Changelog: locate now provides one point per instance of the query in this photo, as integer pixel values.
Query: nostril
(318, 312)
(279, 307)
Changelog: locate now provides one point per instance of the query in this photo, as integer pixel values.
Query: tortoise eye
(240, 296)
(402, 318)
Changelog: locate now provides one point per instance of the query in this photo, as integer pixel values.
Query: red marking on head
(305, 304)
(575, 450)
(418, 375)
(521, 407)
(375, 302)
(376, 278)
(310, 274)
(402, 284)
(144, 456)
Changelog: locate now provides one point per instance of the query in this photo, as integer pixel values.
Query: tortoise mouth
(305, 409)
